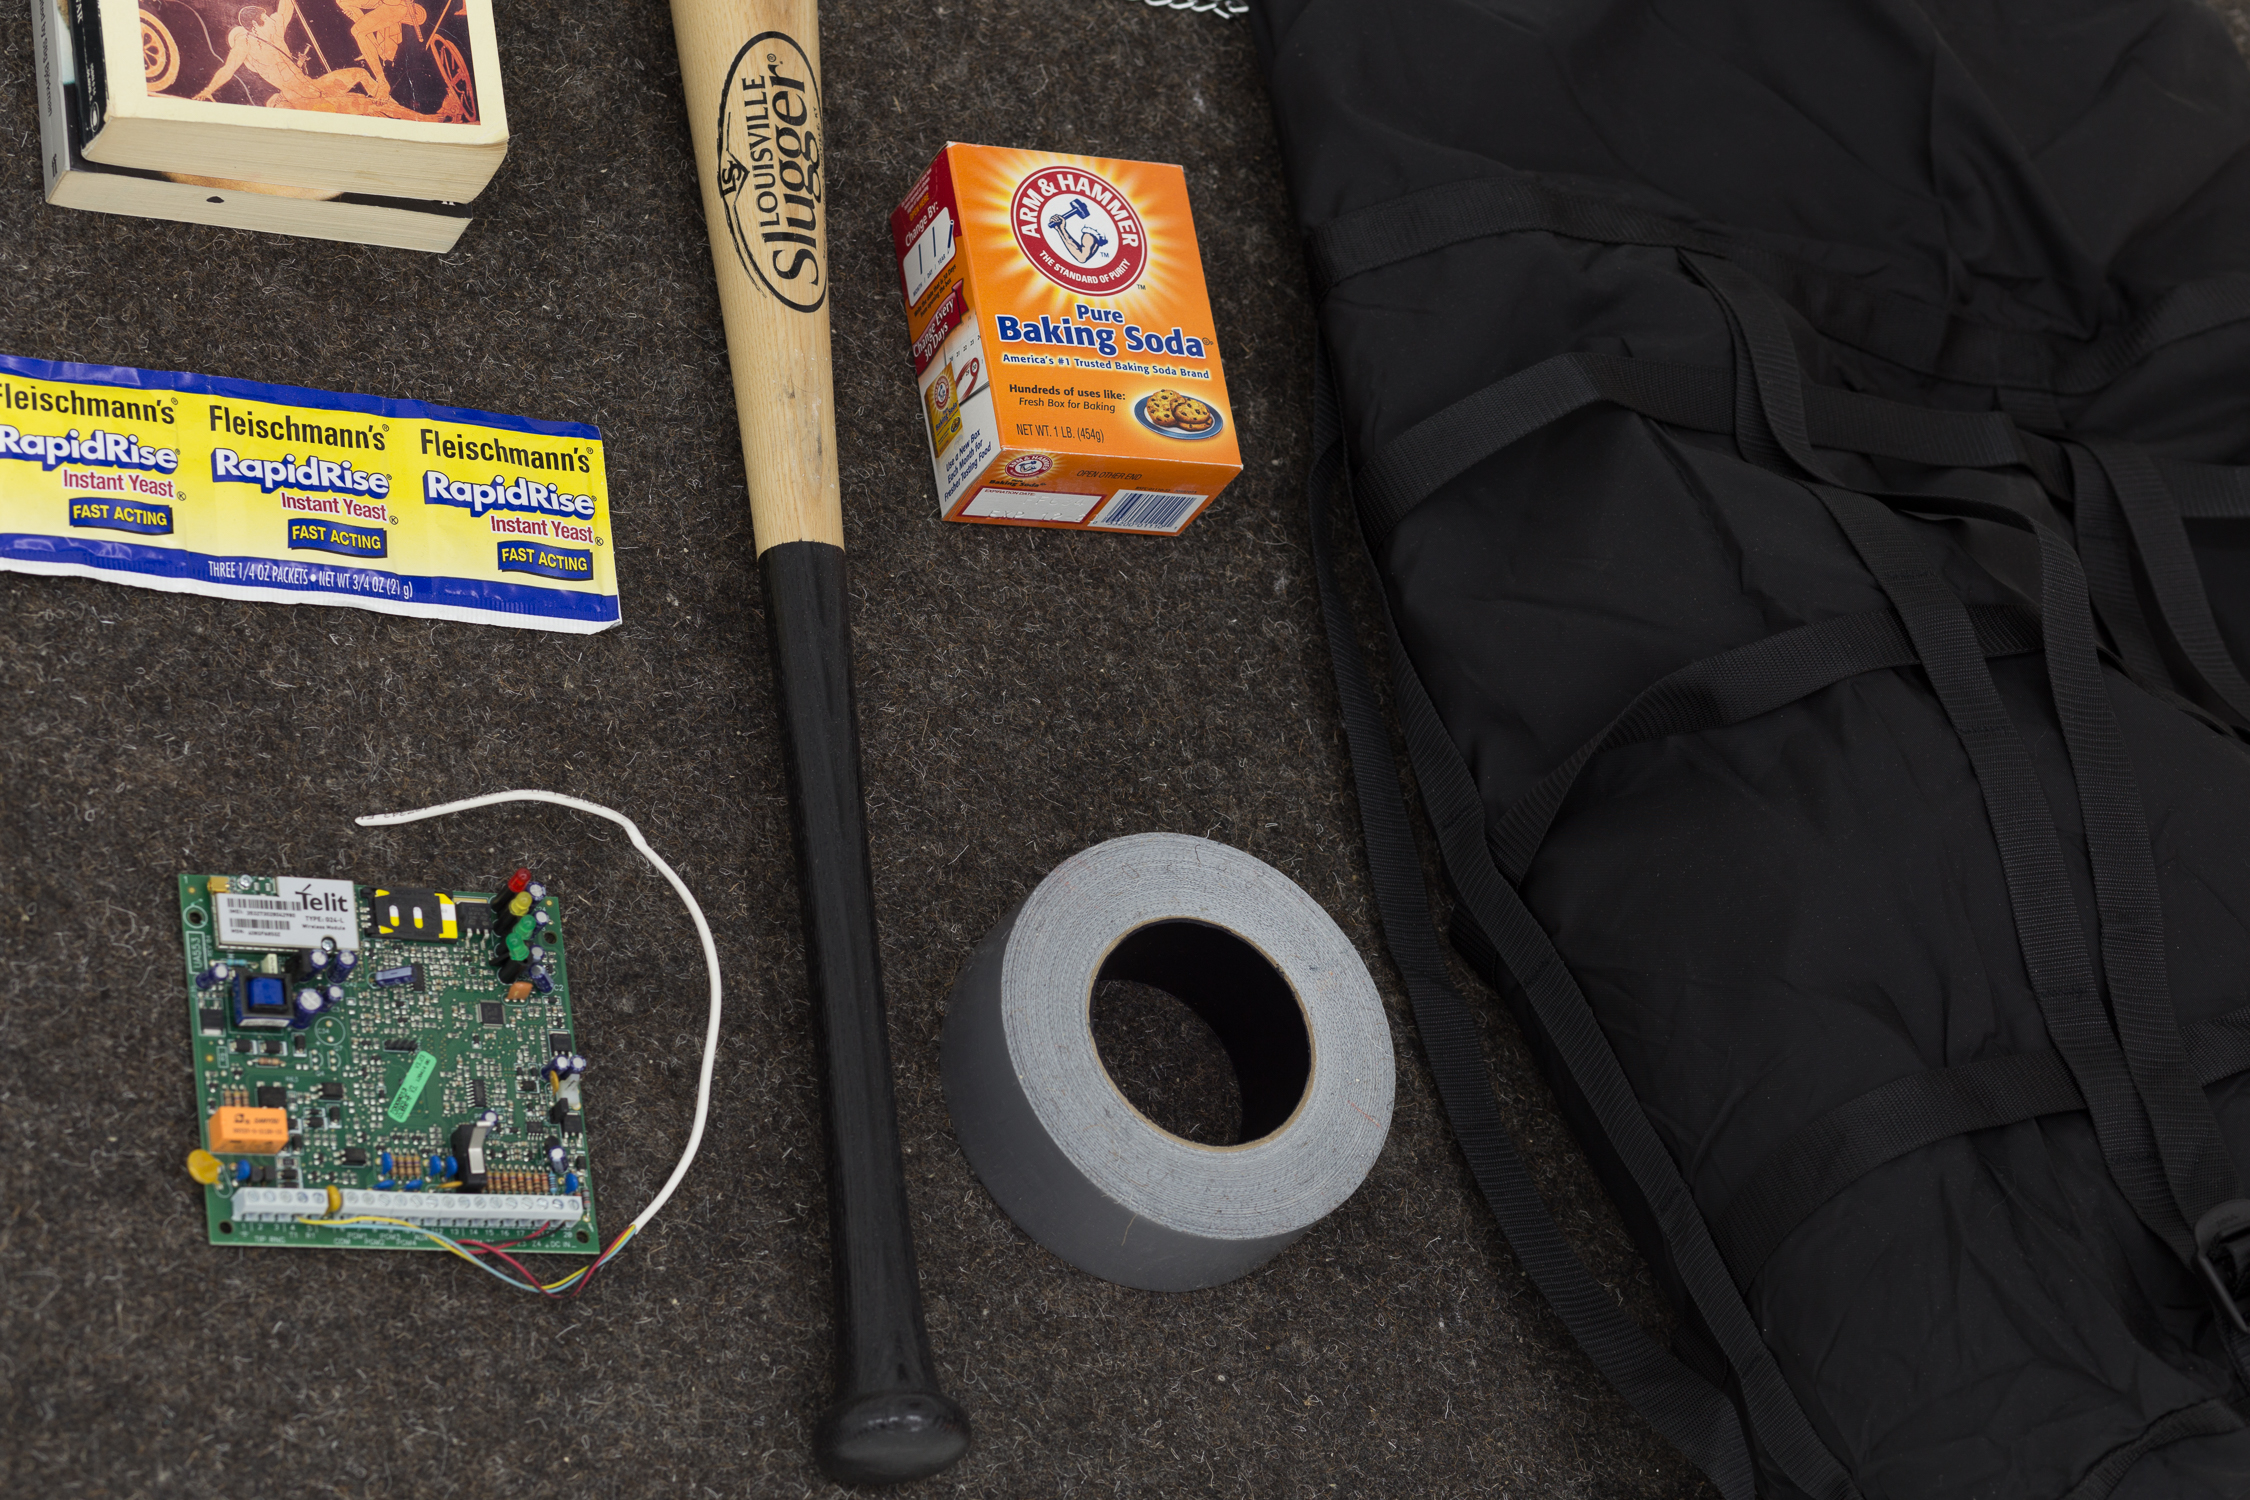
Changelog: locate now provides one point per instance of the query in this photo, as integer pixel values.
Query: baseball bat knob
(889, 1437)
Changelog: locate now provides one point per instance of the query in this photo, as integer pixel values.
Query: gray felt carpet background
(1022, 694)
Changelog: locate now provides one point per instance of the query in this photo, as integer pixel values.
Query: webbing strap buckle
(2222, 1254)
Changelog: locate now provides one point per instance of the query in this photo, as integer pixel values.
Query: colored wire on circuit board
(472, 1251)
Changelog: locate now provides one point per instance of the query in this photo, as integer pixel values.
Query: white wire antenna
(702, 931)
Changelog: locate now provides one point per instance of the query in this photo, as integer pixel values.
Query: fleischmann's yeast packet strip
(202, 485)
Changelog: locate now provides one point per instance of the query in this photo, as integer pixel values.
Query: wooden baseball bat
(751, 71)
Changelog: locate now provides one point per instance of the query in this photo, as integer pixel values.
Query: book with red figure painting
(390, 97)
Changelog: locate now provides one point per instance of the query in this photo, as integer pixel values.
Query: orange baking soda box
(1063, 342)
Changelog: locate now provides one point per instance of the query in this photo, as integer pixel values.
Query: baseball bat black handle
(889, 1421)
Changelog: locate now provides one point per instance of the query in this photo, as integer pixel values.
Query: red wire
(520, 1268)
(511, 1244)
(599, 1262)
(499, 1252)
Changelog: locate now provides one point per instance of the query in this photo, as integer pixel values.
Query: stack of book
(376, 121)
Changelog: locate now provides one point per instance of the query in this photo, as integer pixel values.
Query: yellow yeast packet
(203, 485)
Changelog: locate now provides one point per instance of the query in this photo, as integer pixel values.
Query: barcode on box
(1147, 510)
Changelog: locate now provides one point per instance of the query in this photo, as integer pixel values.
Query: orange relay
(1062, 341)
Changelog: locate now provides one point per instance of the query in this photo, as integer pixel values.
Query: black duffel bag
(1799, 443)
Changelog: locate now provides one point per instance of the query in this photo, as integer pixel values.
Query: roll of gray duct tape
(1068, 1156)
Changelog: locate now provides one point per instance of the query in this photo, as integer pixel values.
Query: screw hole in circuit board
(582, 1236)
(226, 1226)
(548, 938)
(195, 916)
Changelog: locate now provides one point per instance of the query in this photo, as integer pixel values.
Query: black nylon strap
(2046, 913)
(1754, 435)
(1410, 467)
(1762, 337)
(2169, 560)
(2203, 1419)
(1845, 1144)
(1405, 470)
(1693, 1414)
(2107, 548)
(1920, 1109)
(1457, 816)
(1453, 213)
(2127, 1124)
(2197, 1164)
(1528, 957)
(1732, 686)
(2035, 409)
(2220, 1047)
(1860, 423)
(2208, 492)
(1898, 328)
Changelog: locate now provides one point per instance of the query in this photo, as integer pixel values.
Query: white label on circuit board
(297, 915)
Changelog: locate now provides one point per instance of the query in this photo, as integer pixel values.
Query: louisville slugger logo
(769, 169)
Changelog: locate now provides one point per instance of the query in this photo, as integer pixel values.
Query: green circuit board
(383, 1071)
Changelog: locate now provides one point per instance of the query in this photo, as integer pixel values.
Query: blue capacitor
(557, 1158)
(216, 974)
(535, 891)
(412, 1185)
(242, 1171)
(384, 1185)
(452, 1167)
(570, 1182)
(540, 983)
(541, 918)
(385, 1164)
(335, 994)
(317, 959)
(310, 1004)
(346, 961)
(402, 974)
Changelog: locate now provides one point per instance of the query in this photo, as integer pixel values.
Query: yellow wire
(457, 1249)
(428, 1234)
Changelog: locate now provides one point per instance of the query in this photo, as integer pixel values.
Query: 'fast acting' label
(298, 914)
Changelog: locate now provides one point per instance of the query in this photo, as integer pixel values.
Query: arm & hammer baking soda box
(1062, 341)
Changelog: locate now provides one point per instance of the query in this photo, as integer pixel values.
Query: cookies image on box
(1192, 415)
(1176, 415)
